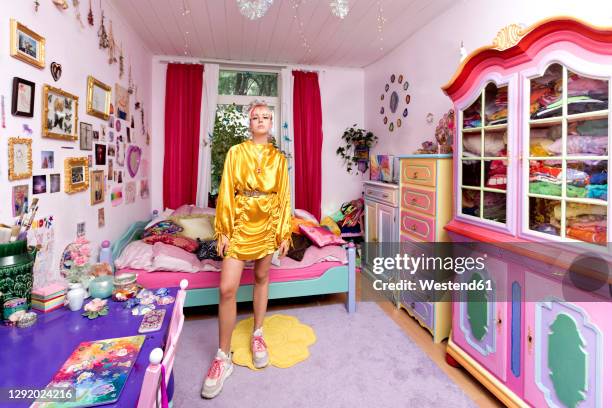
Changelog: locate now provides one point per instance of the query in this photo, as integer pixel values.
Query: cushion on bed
(201, 210)
(296, 222)
(188, 244)
(160, 217)
(321, 236)
(207, 250)
(161, 228)
(171, 258)
(305, 215)
(196, 226)
(300, 245)
(184, 209)
(136, 255)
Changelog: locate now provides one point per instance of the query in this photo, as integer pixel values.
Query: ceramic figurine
(75, 296)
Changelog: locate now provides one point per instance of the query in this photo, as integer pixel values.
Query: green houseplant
(357, 144)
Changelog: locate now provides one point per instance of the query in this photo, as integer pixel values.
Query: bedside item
(26, 320)
(141, 309)
(96, 367)
(75, 296)
(48, 298)
(321, 236)
(96, 308)
(152, 321)
(385, 163)
(101, 287)
(374, 168)
(396, 170)
(13, 306)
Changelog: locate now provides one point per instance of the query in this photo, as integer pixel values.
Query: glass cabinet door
(484, 155)
(567, 165)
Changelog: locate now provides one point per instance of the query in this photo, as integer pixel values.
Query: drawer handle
(413, 227)
(385, 195)
(415, 175)
(414, 200)
(370, 191)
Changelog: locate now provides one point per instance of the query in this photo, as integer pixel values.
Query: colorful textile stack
(496, 113)
(48, 298)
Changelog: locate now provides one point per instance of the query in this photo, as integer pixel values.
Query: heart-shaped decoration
(56, 71)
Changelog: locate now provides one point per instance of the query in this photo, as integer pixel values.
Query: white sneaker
(219, 370)
(259, 349)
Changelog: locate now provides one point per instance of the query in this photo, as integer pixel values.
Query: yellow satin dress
(255, 224)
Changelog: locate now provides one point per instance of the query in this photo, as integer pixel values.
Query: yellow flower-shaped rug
(287, 340)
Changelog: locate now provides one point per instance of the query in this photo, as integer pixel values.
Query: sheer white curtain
(286, 136)
(207, 124)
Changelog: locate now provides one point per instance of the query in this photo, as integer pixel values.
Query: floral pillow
(188, 244)
(165, 227)
(321, 236)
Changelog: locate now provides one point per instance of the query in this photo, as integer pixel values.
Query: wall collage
(102, 148)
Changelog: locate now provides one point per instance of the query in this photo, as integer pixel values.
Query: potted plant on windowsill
(356, 151)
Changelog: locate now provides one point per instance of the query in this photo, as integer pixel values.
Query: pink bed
(211, 279)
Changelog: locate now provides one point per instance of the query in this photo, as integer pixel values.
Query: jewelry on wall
(90, 18)
(36, 5)
(63, 4)
(77, 12)
(102, 35)
(130, 80)
(112, 45)
(121, 58)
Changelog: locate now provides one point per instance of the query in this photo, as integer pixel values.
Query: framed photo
(23, 97)
(54, 183)
(98, 98)
(76, 174)
(59, 114)
(97, 187)
(39, 184)
(100, 154)
(101, 217)
(20, 199)
(46, 159)
(20, 158)
(81, 229)
(86, 141)
(26, 45)
(122, 102)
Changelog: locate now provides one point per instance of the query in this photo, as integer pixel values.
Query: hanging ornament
(339, 8)
(36, 5)
(121, 69)
(63, 4)
(90, 19)
(130, 81)
(132, 124)
(112, 45)
(102, 35)
(462, 52)
(77, 12)
(254, 9)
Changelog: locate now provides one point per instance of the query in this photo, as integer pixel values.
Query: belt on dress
(253, 193)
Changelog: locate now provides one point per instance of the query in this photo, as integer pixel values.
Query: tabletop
(29, 357)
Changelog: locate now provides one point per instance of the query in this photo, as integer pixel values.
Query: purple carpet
(359, 360)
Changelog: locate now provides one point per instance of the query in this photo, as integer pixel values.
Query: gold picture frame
(97, 186)
(98, 93)
(20, 158)
(26, 45)
(60, 114)
(76, 174)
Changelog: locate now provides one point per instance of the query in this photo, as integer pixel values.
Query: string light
(380, 20)
(185, 12)
(254, 9)
(296, 17)
(339, 8)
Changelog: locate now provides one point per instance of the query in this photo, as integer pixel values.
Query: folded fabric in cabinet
(587, 236)
(545, 188)
(546, 228)
(599, 178)
(576, 177)
(597, 191)
(471, 144)
(574, 210)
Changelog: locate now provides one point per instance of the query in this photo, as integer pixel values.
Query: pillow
(196, 226)
(331, 225)
(171, 258)
(162, 228)
(296, 222)
(305, 215)
(321, 236)
(300, 245)
(200, 210)
(160, 217)
(184, 209)
(188, 244)
(136, 255)
(207, 250)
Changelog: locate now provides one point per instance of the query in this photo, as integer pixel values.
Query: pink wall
(429, 58)
(342, 101)
(76, 49)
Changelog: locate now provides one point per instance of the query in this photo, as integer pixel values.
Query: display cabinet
(531, 160)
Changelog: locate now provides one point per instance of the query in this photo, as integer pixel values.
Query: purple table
(30, 357)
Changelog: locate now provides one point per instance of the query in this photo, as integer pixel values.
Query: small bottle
(106, 255)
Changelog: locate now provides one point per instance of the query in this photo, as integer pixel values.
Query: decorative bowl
(101, 287)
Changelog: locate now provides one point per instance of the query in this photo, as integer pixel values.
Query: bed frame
(338, 279)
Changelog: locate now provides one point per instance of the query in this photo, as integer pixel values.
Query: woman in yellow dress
(252, 221)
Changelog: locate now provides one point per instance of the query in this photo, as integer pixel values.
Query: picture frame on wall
(100, 154)
(22, 103)
(122, 102)
(76, 174)
(20, 158)
(98, 98)
(26, 45)
(97, 187)
(86, 136)
(20, 199)
(59, 114)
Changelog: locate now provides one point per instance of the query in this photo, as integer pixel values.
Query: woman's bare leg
(260, 290)
(231, 271)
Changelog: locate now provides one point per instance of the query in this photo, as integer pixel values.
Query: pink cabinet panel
(419, 200)
(419, 171)
(419, 226)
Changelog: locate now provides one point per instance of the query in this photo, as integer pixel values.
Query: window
(237, 89)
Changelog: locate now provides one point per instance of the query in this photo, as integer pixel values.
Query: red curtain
(182, 130)
(307, 142)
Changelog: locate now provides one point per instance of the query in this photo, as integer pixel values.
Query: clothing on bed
(254, 205)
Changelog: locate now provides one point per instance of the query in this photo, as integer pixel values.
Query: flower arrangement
(76, 261)
(96, 308)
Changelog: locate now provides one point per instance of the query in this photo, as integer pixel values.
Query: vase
(75, 296)
(101, 287)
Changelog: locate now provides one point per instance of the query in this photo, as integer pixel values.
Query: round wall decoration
(394, 101)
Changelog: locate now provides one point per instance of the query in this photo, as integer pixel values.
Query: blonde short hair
(260, 104)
